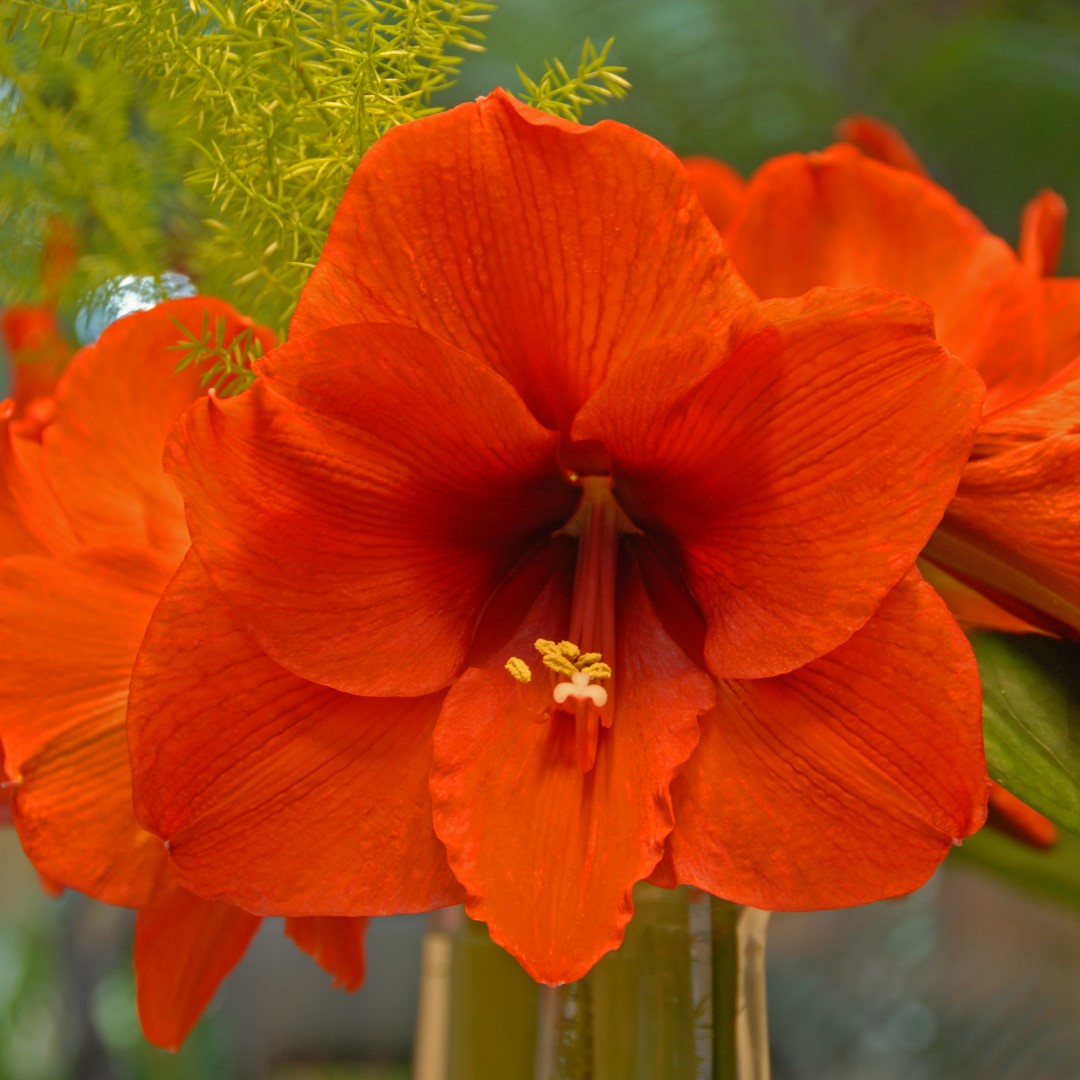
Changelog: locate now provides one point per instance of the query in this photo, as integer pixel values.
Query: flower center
(598, 524)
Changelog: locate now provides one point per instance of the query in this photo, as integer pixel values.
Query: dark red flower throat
(582, 665)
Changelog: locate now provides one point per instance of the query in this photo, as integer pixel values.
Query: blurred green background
(987, 91)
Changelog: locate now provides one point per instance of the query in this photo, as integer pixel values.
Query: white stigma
(580, 688)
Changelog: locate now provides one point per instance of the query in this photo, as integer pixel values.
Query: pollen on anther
(519, 669)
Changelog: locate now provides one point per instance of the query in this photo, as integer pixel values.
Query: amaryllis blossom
(842, 218)
(543, 560)
(91, 530)
(31, 340)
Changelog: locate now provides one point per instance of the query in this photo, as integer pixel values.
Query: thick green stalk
(493, 1013)
(740, 1028)
(725, 989)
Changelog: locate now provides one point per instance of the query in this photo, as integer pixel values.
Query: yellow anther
(554, 658)
(566, 658)
(596, 670)
(519, 669)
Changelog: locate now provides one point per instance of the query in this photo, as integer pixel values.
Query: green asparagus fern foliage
(215, 138)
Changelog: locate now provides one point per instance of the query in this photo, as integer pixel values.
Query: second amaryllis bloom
(841, 218)
(544, 559)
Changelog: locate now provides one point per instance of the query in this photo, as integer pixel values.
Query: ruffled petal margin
(546, 249)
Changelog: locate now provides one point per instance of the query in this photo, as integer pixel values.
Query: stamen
(579, 687)
(597, 526)
(519, 669)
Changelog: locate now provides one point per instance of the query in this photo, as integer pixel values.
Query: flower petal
(69, 632)
(969, 607)
(1052, 411)
(32, 522)
(1042, 233)
(1012, 530)
(277, 794)
(115, 405)
(799, 476)
(839, 218)
(880, 141)
(184, 947)
(1061, 314)
(335, 943)
(547, 853)
(548, 249)
(359, 505)
(37, 349)
(719, 187)
(846, 781)
(72, 808)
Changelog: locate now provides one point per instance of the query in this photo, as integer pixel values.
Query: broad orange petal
(1042, 232)
(1061, 317)
(69, 632)
(72, 808)
(839, 218)
(844, 782)
(799, 476)
(719, 187)
(549, 854)
(115, 406)
(184, 947)
(1013, 527)
(275, 793)
(548, 249)
(361, 502)
(32, 522)
(1052, 411)
(335, 943)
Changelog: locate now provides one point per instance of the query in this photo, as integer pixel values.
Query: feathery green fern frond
(226, 365)
(275, 102)
(564, 94)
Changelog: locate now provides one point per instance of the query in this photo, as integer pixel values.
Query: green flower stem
(740, 1027)
(683, 998)
(725, 988)
(493, 1017)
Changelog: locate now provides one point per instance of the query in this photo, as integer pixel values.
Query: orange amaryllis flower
(92, 530)
(36, 350)
(34, 346)
(542, 549)
(841, 218)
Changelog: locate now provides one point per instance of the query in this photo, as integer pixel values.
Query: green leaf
(1052, 874)
(1031, 720)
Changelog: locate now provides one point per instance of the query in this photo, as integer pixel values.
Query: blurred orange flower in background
(91, 530)
(844, 217)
